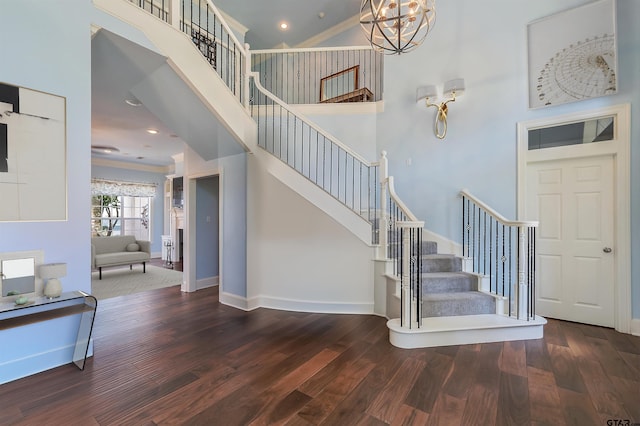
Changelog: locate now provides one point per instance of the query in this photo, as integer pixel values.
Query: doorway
(573, 201)
(207, 235)
(577, 187)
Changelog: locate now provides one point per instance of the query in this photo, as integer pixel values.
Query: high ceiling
(118, 66)
(305, 19)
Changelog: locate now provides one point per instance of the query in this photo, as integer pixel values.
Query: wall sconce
(452, 88)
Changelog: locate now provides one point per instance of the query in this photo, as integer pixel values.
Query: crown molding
(233, 24)
(131, 166)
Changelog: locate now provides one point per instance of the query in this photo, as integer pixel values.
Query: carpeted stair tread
(441, 263)
(448, 282)
(457, 303)
(426, 248)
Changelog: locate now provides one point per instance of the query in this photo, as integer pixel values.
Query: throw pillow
(133, 247)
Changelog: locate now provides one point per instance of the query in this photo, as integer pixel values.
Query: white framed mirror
(18, 275)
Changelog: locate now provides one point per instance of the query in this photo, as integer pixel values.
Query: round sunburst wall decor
(582, 70)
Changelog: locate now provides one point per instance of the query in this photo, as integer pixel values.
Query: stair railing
(315, 154)
(401, 241)
(158, 8)
(503, 251)
(203, 23)
(296, 75)
(410, 273)
(392, 211)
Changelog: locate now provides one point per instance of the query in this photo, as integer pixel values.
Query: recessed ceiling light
(284, 26)
(152, 131)
(133, 102)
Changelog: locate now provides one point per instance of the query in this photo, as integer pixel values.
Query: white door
(573, 201)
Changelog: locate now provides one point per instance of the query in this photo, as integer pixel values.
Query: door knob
(607, 249)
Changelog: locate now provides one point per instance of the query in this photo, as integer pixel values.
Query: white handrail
(498, 216)
(333, 139)
(392, 193)
(223, 22)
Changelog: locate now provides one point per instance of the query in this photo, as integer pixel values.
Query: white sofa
(119, 250)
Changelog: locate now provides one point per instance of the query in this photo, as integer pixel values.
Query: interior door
(573, 201)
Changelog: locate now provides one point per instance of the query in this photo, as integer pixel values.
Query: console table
(40, 309)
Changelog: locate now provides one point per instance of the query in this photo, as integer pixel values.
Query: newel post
(522, 292)
(405, 278)
(383, 227)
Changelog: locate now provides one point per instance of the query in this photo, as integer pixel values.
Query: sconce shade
(425, 92)
(397, 26)
(53, 270)
(456, 85)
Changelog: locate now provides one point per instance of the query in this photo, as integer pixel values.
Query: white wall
(299, 258)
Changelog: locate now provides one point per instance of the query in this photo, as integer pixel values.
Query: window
(121, 215)
(581, 132)
(121, 208)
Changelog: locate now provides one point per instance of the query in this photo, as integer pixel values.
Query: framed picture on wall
(33, 155)
(573, 55)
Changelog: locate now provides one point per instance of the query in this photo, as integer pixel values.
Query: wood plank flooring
(165, 357)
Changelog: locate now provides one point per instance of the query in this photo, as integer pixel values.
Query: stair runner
(446, 290)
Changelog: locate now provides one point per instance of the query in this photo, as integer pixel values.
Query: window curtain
(115, 188)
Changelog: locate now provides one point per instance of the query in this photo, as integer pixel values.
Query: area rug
(122, 281)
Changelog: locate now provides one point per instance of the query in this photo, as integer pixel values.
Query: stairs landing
(464, 330)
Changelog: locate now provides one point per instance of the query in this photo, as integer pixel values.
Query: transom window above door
(580, 132)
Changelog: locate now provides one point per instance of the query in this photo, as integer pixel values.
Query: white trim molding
(294, 305)
(207, 282)
(619, 148)
(635, 326)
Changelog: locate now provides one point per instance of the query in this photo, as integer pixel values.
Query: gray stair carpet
(447, 291)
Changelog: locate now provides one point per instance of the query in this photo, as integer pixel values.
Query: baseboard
(635, 326)
(234, 301)
(295, 305)
(207, 282)
(156, 255)
(37, 363)
(312, 306)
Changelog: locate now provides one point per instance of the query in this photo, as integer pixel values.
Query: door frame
(619, 149)
(189, 283)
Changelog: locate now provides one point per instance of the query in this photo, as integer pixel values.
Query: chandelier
(397, 26)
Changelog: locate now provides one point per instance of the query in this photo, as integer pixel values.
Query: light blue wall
(234, 216)
(157, 210)
(207, 222)
(46, 50)
(486, 44)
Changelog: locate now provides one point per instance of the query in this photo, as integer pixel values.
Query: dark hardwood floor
(165, 357)
(156, 261)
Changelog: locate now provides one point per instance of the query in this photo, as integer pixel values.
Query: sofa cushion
(112, 244)
(120, 258)
(133, 247)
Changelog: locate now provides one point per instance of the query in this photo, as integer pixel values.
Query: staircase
(455, 311)
(443, 298)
